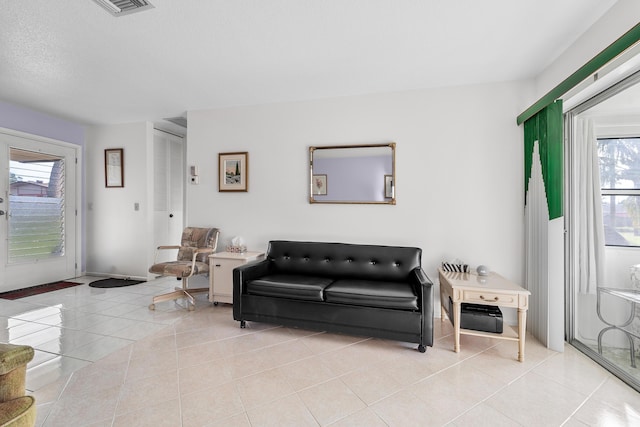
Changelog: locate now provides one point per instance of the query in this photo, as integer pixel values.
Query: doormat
(114, 283)
(36, 290)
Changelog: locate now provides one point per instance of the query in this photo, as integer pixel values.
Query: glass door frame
(74, 167)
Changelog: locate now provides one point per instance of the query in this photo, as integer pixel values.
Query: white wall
(459, 166)
(117, 235)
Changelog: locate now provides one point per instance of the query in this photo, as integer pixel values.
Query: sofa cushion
(342, 260)
(289, 286)
(372, 293)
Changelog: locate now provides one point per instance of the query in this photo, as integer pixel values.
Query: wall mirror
(353, 174)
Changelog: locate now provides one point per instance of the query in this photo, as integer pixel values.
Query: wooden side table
(490, 290)
(221, 267)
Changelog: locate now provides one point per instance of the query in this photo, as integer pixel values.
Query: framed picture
(114, 167)
(233, 171)
(319, 185)
(388, 186)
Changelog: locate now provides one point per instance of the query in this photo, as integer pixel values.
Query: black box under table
(478, 317)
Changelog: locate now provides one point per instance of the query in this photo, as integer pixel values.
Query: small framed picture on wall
(114, 167)
(233, 171)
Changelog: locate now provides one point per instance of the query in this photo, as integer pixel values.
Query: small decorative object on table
(237, 245)
(482, 270)
(457, 266)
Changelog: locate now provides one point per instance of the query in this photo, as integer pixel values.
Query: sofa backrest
(369, 262)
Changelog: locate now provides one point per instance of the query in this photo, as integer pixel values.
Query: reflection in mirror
(353, 174)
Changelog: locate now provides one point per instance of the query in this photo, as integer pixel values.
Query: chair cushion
(194, 238)
(179, 268)
(372, 293)
(307, 288)
(18, 412)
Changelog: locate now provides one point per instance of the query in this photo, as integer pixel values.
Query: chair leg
(189, 293)
(180, 292)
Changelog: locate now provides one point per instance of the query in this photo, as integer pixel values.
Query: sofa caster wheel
(243, 324)
(422, 348)
(152, 306)
(215, 303)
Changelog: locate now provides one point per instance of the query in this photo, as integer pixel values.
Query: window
(36, 206)
(620, 183)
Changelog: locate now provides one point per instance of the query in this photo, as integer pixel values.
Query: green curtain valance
(627, 40)
(546, 128)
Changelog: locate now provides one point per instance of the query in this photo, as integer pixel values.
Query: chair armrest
(160, 248)
(169, 247)
(194, 258)
(203, 251)
(241, 276)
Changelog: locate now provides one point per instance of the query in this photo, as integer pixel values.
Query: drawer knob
(483, 298)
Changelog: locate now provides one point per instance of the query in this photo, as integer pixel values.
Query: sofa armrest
(423, 287)
(425, 296)
(421, 277)
(241, 276)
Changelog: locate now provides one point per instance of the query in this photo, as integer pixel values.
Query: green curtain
(546, 127)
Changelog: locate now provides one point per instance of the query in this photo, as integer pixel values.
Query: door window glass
(36, 206)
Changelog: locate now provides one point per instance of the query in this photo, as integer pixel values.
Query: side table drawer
(493, 298)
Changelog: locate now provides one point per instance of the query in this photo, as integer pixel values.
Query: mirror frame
(392, 200)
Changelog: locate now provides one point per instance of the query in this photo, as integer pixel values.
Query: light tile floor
(104, 359)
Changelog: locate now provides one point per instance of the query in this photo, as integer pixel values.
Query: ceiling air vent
(124, 7)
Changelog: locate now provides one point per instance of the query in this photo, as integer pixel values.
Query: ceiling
(73, 59)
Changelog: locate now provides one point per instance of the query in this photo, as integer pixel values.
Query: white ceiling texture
(73, 59)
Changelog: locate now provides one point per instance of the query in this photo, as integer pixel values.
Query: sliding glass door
(603, 228)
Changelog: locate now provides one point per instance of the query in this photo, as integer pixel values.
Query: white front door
(38, 211)
(168, 189)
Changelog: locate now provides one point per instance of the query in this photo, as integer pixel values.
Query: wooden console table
(490, 290)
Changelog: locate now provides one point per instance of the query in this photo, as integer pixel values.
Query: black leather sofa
(367, 290)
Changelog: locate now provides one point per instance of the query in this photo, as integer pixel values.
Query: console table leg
(456, 326)
(522, 328)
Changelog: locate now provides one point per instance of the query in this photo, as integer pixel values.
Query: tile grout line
(585, 401)
(122, 385)
(527, 372)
